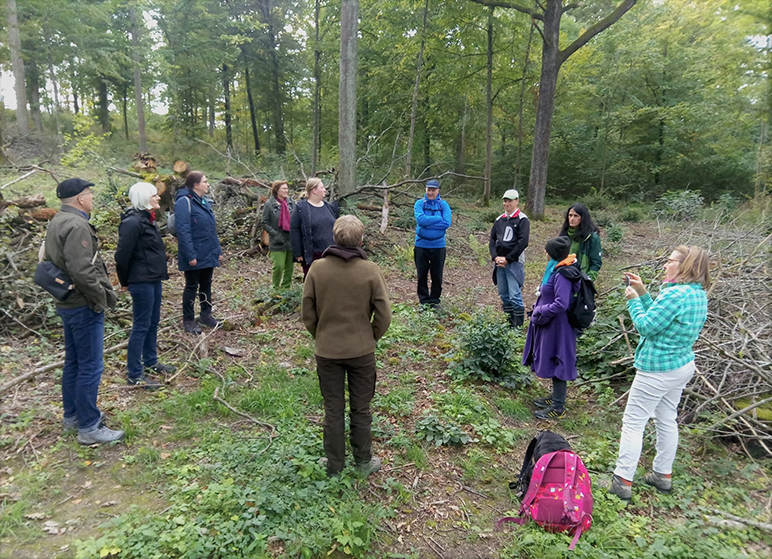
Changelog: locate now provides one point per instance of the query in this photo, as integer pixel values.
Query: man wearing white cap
(509, 237)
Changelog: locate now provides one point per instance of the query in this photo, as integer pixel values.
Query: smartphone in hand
(627, 281)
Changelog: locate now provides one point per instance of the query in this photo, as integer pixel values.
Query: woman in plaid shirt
(664, 363)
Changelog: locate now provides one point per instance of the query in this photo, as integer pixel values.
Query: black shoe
(550, 413)
(206, 319)
(160, 369)
(191, 327)
(543, 402)
(518, 318)
(144, 382)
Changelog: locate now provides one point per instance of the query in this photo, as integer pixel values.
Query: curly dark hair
(586, 226)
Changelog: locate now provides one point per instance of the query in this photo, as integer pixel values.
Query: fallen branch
(755, 523)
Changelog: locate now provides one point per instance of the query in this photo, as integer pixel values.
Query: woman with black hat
(550, 345)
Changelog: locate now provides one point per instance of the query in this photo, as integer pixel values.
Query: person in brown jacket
(346, 309)
(72, 245)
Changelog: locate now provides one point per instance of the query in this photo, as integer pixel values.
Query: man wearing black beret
(72, 245)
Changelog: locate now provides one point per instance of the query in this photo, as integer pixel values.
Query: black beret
(558, 248)
(71, 187)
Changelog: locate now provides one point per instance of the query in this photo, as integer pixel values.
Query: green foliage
(488, 349)
(480, 250)
(82, 143)
(268, 299)
(431, 429)
(631, 214)
(615, 233)
(679, 205)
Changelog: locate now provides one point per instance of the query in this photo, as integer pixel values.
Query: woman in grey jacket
(276, 221)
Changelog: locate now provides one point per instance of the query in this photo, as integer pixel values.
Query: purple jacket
(550, 345)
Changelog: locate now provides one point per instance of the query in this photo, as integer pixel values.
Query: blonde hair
(140, 195)
(311, 184)
(275, 186)
(348, 231)
(695, 265)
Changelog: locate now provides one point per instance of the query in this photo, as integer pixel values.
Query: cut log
(43, 214)
(181, 168)
(25, 202)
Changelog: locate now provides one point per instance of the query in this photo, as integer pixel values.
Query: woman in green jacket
(276, 221)
(585, 241)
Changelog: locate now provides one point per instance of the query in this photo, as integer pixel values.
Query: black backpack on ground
(581, 314)
(543, 443)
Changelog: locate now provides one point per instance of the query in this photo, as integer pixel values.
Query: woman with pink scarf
(276, 221)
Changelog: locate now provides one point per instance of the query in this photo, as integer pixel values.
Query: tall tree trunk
(14, 45)
(489, 107)
(103, 111)
(226, 88)
(75, 106)
(347, 97)
(273, 64)
(54, 83)
(461, 151)
(414, 105)
(33, 93)
(252, 115)
(315, 143)
(518, 157)
(211, 111)
(126, 111)
(138, 81)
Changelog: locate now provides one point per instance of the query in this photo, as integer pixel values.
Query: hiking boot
(543, 402)
(99, 435)
(370, 467)
(143, 381)
(518, 318)
(191, 327)
(618, 487)
(325, 463)
(160, 369)
(206, 319)
(660, 481)
(71, 423)
(550, 413)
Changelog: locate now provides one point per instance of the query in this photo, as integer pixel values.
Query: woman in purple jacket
(550, 345)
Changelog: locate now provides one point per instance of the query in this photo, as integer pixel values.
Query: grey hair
(140, 195)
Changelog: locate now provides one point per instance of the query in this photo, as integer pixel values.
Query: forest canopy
(674, 95)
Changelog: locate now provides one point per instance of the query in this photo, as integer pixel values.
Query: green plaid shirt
(668, 326)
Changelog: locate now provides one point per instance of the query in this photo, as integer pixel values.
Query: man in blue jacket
(432, 216)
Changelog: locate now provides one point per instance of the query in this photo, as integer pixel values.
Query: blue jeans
(509, 280)
(84, 333)
(146, 304)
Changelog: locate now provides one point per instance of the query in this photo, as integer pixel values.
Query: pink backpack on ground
(559, 496)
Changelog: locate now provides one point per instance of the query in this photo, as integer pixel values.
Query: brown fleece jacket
(345, 304)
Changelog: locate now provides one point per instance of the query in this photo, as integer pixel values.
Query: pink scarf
(284, 216)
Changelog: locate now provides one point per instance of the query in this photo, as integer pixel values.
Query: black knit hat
(558, 248)
(71, 187)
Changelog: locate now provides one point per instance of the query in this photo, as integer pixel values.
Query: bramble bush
(680, 205)
(488, 349)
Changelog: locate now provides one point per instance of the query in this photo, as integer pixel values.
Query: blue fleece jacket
(432, 220)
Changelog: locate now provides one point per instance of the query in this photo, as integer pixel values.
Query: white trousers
(652, 395)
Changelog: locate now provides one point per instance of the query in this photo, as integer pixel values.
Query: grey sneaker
(99, 435)
(662, 483)
(191, 327)
(161, 369)
(143, 381)
(71, 423)
(619, 488)
(206, 319)
(370, 467)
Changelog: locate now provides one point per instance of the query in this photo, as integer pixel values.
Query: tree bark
(489, 107)
(315, 142)
(347, 96)
(33, 93)
(273, 64)
(252, 116)
(138, 81)
(226, 88)
(54, 83)
(103, 114)
(414, 105)
(461, 152)
(126, 111)
(17, 63)
(518, 157)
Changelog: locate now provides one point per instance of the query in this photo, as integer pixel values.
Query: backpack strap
(536, 479)
(570, 475)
